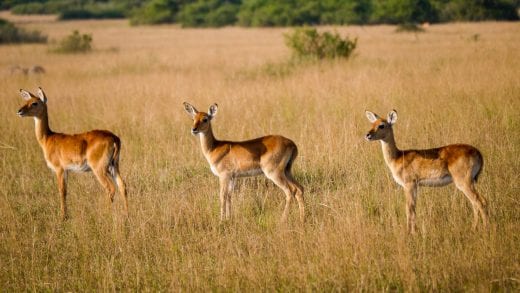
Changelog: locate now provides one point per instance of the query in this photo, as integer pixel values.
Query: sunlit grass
(447, 88)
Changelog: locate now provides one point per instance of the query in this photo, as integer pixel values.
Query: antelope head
(35, 105)
(381, 128)
(201, 120)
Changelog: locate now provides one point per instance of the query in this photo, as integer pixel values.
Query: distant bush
(404, 11)
(29, 8)
(73, 9)
(75, 43)
(267, 13)
(309, 43)
(214, 13)
(155, 12)
(44, 7)
(471, 10)
(9, 33)
(225, 14)
(346, 12)
(262, 13)
(92, 12)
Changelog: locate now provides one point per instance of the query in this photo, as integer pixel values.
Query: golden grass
(446, 86)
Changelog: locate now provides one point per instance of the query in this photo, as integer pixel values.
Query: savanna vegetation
(76, 42)
(216, 13)
(10, 33)
(453, 83)
(309, 43)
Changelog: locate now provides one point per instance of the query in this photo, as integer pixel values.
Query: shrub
(194, 14)
(155, 12)
(404, 11)
(309, 43)
(9, 33)
(71, 9)
(471, 10)
(49, 7)
(266, 13)
(225, 14)
(214, 13)
(345, 12)
(29, 8)
(75, 43)
(97, 11)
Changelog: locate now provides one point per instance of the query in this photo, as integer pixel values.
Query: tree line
(266, 13)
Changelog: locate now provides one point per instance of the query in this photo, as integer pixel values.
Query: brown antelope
(96, 150)
(33, 70)
(458, 163)
(271, 155)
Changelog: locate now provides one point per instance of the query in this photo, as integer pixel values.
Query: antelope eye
(34, 104)
(381, 126)
(204, 119)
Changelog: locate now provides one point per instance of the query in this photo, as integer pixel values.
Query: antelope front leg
(61, 176)
(229, 193)
(224, 190)
(411, 195)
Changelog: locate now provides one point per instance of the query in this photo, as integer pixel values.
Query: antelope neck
(42, 129)
(207, 140)
(390, 150)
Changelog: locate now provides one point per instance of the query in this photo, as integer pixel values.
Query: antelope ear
(41, 95)
(392, 117)
(372, 117)
(25, 94)
(190, 109)
(213, 110)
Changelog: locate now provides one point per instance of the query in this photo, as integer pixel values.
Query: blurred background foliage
(266, 13)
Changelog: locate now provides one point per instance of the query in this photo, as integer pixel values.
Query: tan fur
(96, 150)
(458, 163)
(271, 155)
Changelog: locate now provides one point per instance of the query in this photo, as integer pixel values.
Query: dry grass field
(454, 83)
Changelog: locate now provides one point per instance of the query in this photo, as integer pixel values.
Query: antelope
(458, 163)
(36, 69)
(271, 155)
(33, 70)
(96, 150)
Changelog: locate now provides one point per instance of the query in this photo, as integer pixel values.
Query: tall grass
(446, 87)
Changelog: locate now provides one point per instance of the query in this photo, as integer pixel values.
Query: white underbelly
(436, 181)
(247, 173)
(78, 167)
(239, 173)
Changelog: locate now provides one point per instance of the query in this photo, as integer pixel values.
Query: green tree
(279, 13)
(266, 13)
(156, 12)
(214, 13)
(345, 11)
(403, 11)
(218, 13)
(476, 10)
